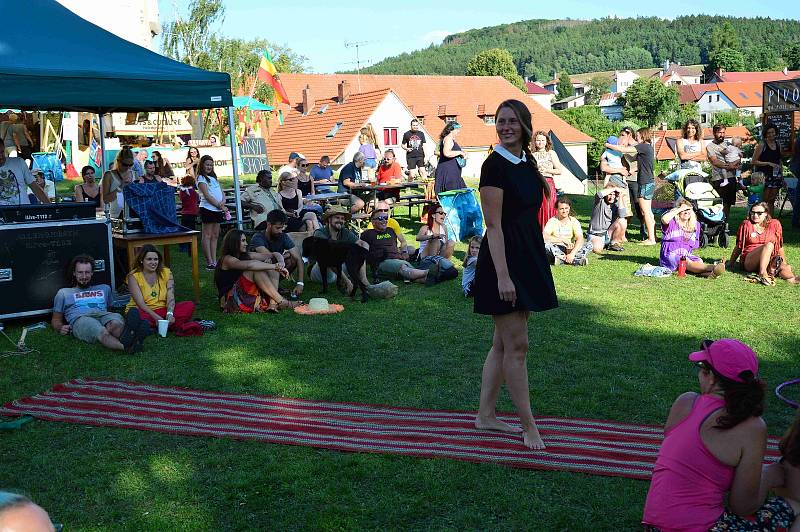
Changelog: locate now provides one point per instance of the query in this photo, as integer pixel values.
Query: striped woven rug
(580, 445)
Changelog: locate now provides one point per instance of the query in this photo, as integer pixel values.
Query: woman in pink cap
(713, 447)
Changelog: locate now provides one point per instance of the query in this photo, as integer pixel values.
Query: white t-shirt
(214, 190)
(15, 176)
(49, 189)
(287, 168)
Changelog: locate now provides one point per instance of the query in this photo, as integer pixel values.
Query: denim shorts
(646, 191)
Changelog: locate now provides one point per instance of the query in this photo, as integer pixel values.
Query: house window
(335, 129)
(390, 136)
(709, 98)
(449, 118)
(717, 97)
(488, 120)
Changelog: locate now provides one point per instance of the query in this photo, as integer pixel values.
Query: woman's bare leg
(264, 283)
(649, 221)
(758, 259)
(213, 243)
(769, 199)
(205, 240)
(491, 381)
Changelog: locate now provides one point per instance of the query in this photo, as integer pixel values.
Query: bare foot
(532, 440)
(492, 423)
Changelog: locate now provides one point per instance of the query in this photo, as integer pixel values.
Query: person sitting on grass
(469, 264)
(82, 309)
(279, 248)
(335, 229)
(152, 289)
(759, 242)
(709, 469)
(563, 238)
(607, 225)
(19, 514)
(247, 282)
(405, 249)
(680, 238)
(783, 476)
(432, 237)
(386, 259)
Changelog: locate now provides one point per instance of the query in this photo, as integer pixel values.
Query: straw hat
(336, 210)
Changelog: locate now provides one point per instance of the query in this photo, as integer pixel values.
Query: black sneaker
(615, 247)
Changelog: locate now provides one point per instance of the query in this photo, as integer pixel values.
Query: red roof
(743, 94)
(533, 88)
(665, 153)
(692, 92)
(468, 98)
(308, 134)
(759, 77)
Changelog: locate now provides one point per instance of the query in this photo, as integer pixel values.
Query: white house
(609, 106)
(729, 96)
(136, 21)
(622, 80)
(539, 94)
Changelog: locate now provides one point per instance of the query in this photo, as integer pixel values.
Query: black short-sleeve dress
(525, 255)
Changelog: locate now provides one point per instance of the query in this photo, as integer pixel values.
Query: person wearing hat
(14, 176)
(48, 186)
(294, 159)
(713, 449)
(334, 227)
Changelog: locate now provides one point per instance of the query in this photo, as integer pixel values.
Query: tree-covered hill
(541, 47)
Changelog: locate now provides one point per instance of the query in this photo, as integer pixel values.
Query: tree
(687, 111)
(792, 56)
(726, 59)
(564, 89)
(590, 120)
(649, 101)
(188, 40)
(764, 58)
(495, 62)
(734, 117)
(598, 86)
(724, 36)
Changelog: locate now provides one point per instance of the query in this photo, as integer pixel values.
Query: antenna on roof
(357, 45)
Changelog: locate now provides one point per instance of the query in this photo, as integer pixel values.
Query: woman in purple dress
(448, 171)
(681, 236)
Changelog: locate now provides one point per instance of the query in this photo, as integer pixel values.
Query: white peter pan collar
(508, 156)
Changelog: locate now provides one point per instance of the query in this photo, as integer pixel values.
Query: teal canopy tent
(59, 61)
(70, 64)
(240, 102)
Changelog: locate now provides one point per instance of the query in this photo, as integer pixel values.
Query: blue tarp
(49, 164)
(50, 58)
(463, 216)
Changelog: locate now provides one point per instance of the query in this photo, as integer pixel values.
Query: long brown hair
(138, 263)
(548, 145)
(523, 114)
(698, 131)
(232, 246)
(765, 222)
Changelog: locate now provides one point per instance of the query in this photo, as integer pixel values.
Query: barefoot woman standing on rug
(512, 277)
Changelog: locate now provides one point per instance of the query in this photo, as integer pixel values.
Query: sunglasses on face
(381, 218)
(381, 210)
(757, 213)
(439, 212)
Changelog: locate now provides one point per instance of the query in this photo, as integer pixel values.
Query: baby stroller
(692, 185)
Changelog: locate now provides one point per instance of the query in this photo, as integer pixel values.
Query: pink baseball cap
(728, 357)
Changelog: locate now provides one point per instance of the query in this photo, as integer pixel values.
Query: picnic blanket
(595, 447)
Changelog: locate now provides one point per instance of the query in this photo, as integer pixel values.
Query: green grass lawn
(615, 349)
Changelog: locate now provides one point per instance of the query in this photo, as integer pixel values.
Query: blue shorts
(646, 191)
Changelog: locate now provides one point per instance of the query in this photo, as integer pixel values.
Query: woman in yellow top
(153, 291)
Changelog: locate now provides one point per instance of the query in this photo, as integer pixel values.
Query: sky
(320, 29)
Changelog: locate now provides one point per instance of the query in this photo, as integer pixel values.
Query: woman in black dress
(513, 276)
(448, 171)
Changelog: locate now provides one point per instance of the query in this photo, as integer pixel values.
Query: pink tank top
(689, 483)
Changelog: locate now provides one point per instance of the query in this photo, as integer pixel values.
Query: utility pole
(357, 45)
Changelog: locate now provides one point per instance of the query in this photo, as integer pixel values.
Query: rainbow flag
(269, 74)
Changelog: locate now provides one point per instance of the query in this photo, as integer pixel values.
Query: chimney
(666, 66)
(344, 91)
(308, 102)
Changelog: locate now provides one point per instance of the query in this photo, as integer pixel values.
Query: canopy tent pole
(236, 192)
(102, 145)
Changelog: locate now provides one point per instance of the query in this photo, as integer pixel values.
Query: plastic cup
(163, 325)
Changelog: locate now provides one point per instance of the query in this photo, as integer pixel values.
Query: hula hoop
(779, 389)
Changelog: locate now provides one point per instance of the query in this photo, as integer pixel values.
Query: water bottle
(682, 267)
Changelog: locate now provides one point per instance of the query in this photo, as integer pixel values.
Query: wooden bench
(413, 200)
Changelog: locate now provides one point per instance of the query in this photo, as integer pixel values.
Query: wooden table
(327, 196)
(379, 187)
(132, 241)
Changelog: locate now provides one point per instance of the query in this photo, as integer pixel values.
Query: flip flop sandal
(767, 281)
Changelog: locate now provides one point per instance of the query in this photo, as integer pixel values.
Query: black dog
(331, 254)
